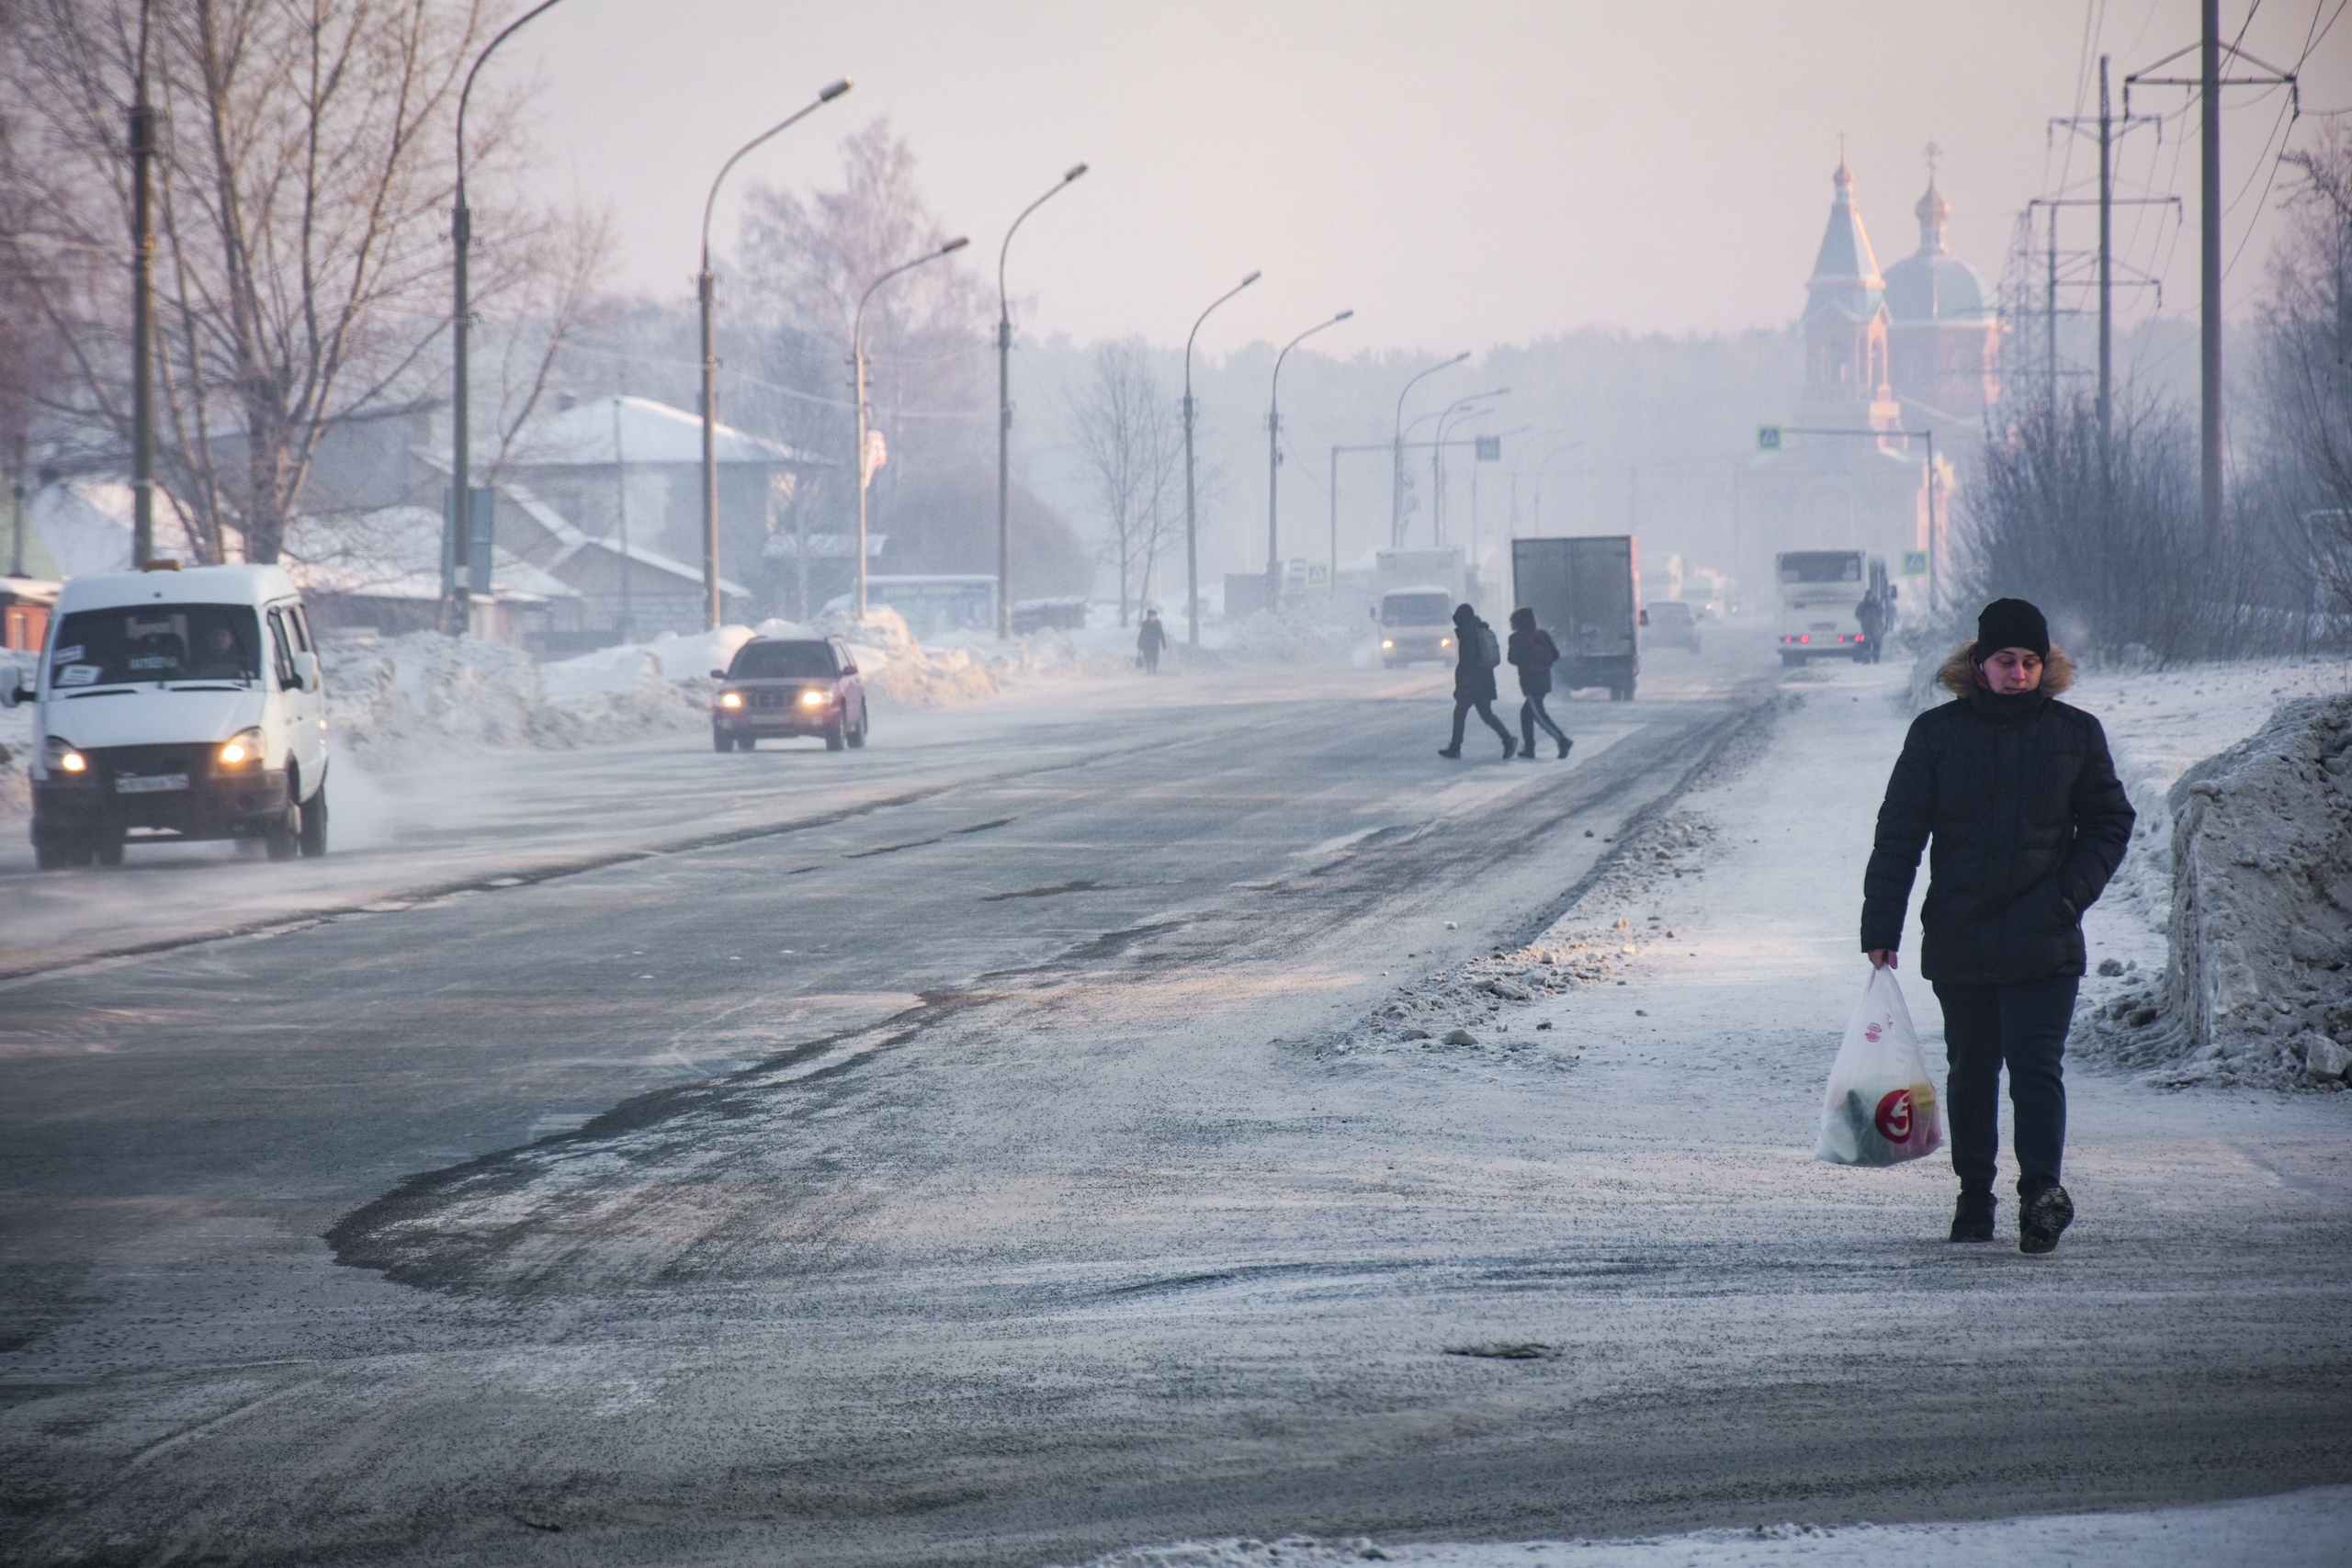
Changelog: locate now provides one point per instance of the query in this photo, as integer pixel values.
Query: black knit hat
(2010, 623)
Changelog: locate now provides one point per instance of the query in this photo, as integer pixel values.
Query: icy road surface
(980, 1152)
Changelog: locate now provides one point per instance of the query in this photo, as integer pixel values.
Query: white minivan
(177, 705)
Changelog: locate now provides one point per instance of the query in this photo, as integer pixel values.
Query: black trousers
(1486, 706)
(1531, 714)
(2024, 1028)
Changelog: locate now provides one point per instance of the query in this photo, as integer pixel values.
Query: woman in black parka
(2020, 796)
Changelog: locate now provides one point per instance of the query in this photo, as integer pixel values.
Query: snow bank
(426, 694)
(900, 671)
(2257, 987)
(2301, 1529)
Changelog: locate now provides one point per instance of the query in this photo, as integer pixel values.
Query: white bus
(1821, 592)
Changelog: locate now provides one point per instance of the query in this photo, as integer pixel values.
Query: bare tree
(303, 167)
(2306, 364)
(1126, 430)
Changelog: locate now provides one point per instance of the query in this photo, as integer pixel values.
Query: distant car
(1671, 624)
(780, 687)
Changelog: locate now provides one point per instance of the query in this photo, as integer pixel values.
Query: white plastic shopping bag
(1880, 1108)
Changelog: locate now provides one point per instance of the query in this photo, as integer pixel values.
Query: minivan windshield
(1822, 566)
(156, 642)
(783, 661)
(1415, 609)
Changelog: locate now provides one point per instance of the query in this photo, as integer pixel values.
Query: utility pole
(2108, 127)
(2050, 320)
(2208, 82)
(2105, 272)
(142, 316)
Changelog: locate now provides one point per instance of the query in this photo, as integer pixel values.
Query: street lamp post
(704, 288)
(1004, 416)
(457, 527)
(857, 355)
(1437, 461)
(1396, 475)
(1192, 534)
(1274, 460)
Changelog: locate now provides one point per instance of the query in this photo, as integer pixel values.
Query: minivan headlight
(243, 750)
(57, 757)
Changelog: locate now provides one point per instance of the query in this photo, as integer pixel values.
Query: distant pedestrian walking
(1150, 640)
(1871, 616)
(1476, 657)
(1535, 653)
(2020, 797)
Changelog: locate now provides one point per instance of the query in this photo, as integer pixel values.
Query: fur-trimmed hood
(1959, 675)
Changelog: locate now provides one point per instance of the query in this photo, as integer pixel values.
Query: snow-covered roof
(571, 542)
(395, 553)
(79, 526)
(821, 546)
(638, 429)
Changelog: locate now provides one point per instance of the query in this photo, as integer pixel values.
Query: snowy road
(974, 1155)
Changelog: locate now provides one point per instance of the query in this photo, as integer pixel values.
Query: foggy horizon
(1470, 190)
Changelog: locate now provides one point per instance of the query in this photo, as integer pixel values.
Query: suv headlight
(815, 698)
(243, 750)
(730, 699)
(57, 757)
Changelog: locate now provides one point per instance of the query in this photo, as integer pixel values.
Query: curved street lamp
(1437, 461)
(857, 353)
(1396, 478)
(1004, 415)
(703, 290)
(457, 527)
(1192, 543)
(1274, 460)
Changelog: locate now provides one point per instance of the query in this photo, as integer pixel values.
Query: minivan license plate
(149, 783)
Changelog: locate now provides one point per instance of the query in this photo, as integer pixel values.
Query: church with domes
(1898, 353)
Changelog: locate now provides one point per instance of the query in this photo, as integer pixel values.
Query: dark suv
(786, 686)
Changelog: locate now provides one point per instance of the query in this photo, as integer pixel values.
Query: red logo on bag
(1893, 1118)
(1870, 1032)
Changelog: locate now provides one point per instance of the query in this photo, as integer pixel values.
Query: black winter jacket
(1535, 653)
(2028, 822)
(1473, 678)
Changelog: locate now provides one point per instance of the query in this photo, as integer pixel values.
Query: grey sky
(1459, 174)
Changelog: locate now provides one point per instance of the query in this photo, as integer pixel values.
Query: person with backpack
(1535, 653)
(2019, 794)
(1475, 656)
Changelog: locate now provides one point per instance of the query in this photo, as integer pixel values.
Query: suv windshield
(786, 660)
(1415, 609)
(156, 642)
(1822, 566)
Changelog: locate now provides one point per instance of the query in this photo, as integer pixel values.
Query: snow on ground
(2301, 1529)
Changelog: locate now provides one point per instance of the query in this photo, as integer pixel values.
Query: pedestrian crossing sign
(1768, 439)
(1915, 563)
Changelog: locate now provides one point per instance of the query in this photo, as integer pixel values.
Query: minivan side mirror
(306, 671)
(13, 694)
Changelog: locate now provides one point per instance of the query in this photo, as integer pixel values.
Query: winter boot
(2044, 1215)
(1451, 753)
(1511, 747)
(1565, 744)
(1527, 745)
(1973, 1219)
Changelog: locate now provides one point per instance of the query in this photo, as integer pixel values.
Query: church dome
(1935, 286)
(1932, 285)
